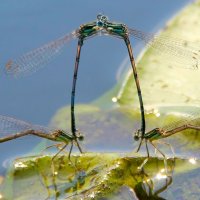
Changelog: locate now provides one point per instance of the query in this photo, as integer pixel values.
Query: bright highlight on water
(191, 121)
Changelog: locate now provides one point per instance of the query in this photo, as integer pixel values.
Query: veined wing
(10, 126)
(176, 51)
(37, 58)
(192, 118)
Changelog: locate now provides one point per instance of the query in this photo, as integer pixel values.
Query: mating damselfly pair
(175, 50)
(11, 128)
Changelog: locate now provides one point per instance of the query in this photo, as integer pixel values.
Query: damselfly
(190, 121)
(177, 51)
(11, 128)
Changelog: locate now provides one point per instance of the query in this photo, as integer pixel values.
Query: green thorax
(154, 134)
(87, 30)
(62, 136)
(116, 29)
(102, 26)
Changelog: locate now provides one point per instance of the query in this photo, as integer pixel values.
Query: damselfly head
(137, 135)
(79, 135)
(101, 20)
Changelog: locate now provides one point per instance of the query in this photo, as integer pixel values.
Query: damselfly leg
(189, 122)
(11, 129)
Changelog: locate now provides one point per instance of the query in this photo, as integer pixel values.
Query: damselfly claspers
(11, 129)
(176, 51)
(189, 121)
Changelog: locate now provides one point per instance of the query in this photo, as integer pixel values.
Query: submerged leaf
(95, 176)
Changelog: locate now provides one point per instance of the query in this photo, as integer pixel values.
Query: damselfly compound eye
(99, 16)
(104, 18)
(81, 138)
(136, 138)
(137, 135)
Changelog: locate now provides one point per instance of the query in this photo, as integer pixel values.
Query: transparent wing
(37, 58)
(192, 118)
(176, 51)
(10, 126)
